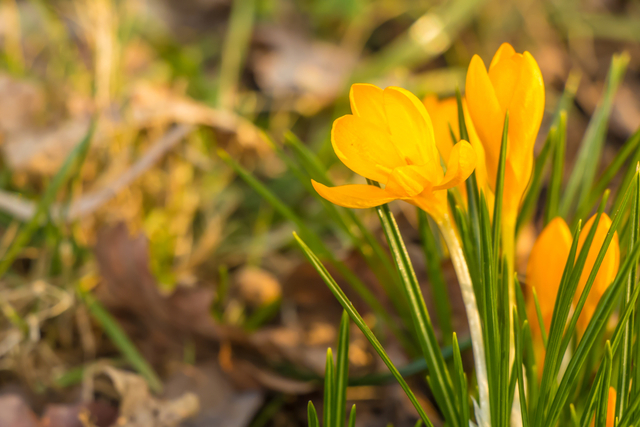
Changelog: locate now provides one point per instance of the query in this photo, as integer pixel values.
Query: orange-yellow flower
(444, 116)
(514, 84)
(546, 265)
(389, 138)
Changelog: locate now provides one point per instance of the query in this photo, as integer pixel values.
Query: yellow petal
(367, 102)
(504, 51)
(474, 140)
(505, 76)
(444, 117)
(484, 110)
(461, 163)
(544, 270)
(513, 83)
(607, 272)
(525, 115)
(432, 202)
(410, 127)
(364, 147)
(516, 180)
(354, 196)
(408, 181)
(544, 273)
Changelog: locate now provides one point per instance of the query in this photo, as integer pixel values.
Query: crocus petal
(485, 110)
(514, 83)
(607, 272)
(474, 140)
(408, 181)
(367, 102)
(444, 117)
(461, 163)
(525, 115)
(354, 196)
(546, 264)
(505, 76)
(504, 51)
(411, 128)
(364, 147)
(545, 267)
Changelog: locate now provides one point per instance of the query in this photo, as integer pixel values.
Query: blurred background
(155, 287)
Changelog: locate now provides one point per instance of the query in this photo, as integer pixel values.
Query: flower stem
(473, 316)
(509, 252)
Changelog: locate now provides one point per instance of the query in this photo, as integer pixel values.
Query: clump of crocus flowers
(415, 151)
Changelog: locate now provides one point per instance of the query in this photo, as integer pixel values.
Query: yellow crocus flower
(389, 138)
(546, 265)
(514, 84)
(444, 116)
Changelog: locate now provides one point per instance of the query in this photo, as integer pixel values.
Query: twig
(24, 209)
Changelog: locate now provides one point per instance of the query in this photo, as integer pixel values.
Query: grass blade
(442, 386)
(603, 396)
(70, 167)
(342, 371)
(555, 182)
(543, 329)
(436, 278)
(535, 187)
(497, 209)
(460, 382)
(236, 46)
(591, 398)
(317, 171)
(119, 338)
(626, 355)
(312, 415)
(518, 366)
(329, 390)
(362, 239)
(359, 321)
(631, 145)
(317, 243)
(584, 170)
(352, 417)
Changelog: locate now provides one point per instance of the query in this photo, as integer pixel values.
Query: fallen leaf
(14, 412)
(222, 404)
(138, 408)
(156, 322)
(290, 65)
(257, 287)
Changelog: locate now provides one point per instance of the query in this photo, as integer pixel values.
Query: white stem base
(473, 317)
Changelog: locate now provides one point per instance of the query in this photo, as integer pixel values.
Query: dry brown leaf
(257, 287)
(98, 413)
(21, 102)
(222, 404)
(43, 150)
(14, 412)
(130, 290)
(153, 105)
(138, 408)
(311, 72)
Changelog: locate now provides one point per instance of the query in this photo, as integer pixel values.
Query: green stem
(473, 315)
(509, 253)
